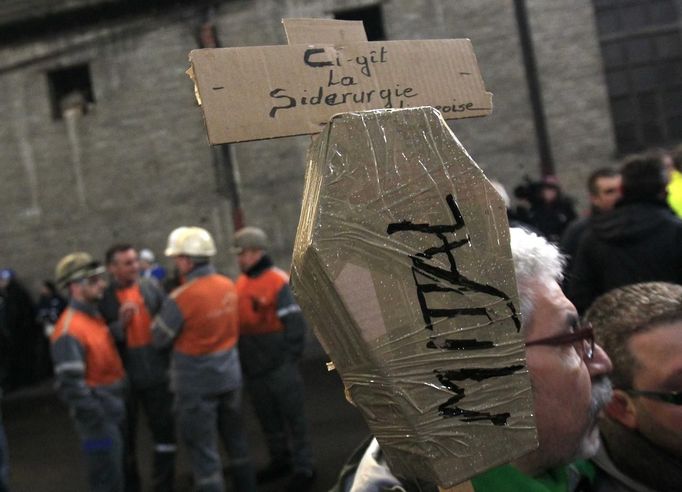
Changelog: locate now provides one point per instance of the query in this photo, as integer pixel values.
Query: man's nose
(600, 363)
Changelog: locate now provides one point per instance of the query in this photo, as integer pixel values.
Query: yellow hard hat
(190, 241)
(76, 266)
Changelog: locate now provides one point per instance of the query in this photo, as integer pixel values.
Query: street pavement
(45, 454)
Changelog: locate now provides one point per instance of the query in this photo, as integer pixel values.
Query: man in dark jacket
(551, 211)
(604, 189)
(638, 241)
(128, 305)
(272, 334)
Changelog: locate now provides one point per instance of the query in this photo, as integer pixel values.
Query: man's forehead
(126, 253)
(608, 182)
(658, 349)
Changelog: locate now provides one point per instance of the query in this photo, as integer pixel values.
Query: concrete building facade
(127, 160)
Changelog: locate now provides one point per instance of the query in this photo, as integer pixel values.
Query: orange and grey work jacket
(89, 371)
(145, 365)
(199, 319)
(271, 325)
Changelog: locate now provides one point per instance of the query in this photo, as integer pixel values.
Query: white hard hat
(147, 255)
(190, 241)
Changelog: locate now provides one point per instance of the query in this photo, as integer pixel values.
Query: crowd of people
(121, 346)
(630, 234)
(601, 306)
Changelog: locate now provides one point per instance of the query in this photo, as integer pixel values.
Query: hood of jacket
(630, 222)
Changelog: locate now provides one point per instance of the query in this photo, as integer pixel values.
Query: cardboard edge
(295, 25)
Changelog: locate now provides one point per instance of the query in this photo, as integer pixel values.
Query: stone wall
(137, 164)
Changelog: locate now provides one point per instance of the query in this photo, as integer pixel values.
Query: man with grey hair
(568, 376)
(640, 326)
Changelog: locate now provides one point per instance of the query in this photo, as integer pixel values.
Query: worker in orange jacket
(199, 319)
(272, 337)
(89, 371)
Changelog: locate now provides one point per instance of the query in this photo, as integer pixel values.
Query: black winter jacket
(636, 242)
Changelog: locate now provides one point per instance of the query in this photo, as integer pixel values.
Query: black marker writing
(308, 55)
(450, 409)
(456, 283)
(430, 279)
(343, 83)
(391, 97)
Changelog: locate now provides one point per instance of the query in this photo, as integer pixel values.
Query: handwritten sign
(398, 220)
(273, 91)
(430, 279)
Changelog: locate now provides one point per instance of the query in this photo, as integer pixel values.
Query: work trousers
(156, 403)
(201, 419)
(278, 399)
(104, 456)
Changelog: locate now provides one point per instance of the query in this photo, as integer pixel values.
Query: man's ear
(622, 409)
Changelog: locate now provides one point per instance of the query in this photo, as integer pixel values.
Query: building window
(641, 46)
(70, 89)
(371, 17)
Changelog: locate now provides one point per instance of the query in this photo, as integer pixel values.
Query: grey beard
(602, 392)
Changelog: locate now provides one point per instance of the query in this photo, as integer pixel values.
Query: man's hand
(126, 312)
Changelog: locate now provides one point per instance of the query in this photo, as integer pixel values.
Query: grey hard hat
(249, 238)
(76, 266)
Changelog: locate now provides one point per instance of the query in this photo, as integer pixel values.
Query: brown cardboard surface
(403, 267)
(263, 92)
(324, 31)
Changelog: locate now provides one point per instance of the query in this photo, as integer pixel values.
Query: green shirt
(508, 479)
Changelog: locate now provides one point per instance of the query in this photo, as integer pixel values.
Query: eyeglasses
(673, 397)
(93, 280)
(582, 339)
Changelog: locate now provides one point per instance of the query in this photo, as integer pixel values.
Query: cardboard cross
(262, 92)
(402, 261)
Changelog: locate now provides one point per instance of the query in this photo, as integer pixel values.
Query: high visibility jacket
(258, 302)
(675, 192)
(145, 365)
(208, 306)
(138, 332)
(89, 371)
(200, 319)
(100, 361)
(272, 328)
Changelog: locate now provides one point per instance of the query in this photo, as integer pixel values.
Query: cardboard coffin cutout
(403, 267)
